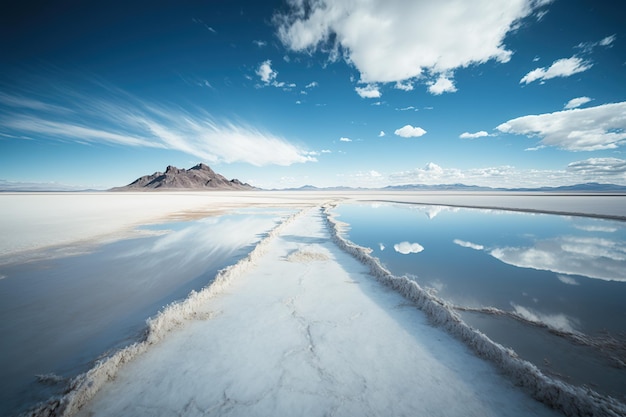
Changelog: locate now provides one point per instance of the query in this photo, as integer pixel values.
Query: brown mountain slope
(199, 177)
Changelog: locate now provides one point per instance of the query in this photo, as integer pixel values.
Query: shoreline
(310, 201)
(46, 221)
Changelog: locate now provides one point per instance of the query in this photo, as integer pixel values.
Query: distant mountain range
(590, 187)
(202, 177)
(199, 177)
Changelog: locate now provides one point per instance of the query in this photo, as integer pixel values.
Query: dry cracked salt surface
(306, 330)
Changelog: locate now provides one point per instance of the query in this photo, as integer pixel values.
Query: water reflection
(59, 314)
(521, 278)
(406, 248)
(591, 257)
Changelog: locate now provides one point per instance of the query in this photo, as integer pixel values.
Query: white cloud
(467, 135)
(608, 41)
(343, 139)
(260, 44)
(407, 108)
(311, 84)
(561, 68)
(326, 151)
(443, 85)
(588, 129)
(369, 91)
(375, 174)
(119, 119)
(470, 245)
(406, 248)
(606, 167)
(409, 131)
(404, 86)
(603, 170)
(265, 72)
(397, 40)
(588, 47)
(381, 134)
(577, 102)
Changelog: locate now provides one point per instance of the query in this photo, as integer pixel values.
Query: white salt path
(308, 332)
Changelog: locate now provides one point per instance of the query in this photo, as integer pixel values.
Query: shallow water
(58, 315)
(550, 287)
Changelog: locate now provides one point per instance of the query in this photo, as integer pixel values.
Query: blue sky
(287, 93)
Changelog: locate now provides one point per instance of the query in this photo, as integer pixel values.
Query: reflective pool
(58, 314)
(551, 287)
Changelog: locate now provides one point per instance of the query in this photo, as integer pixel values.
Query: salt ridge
(83, 387)
(569, 399)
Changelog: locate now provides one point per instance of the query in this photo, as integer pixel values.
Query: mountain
(13, 186)
(199, 177)
(591, 187)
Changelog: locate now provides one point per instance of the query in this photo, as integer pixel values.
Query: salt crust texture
(82, 388)
(572, 401)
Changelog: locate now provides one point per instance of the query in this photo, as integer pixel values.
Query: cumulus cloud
(404, 86)
(115, 117)
(409, 131)
(443, 85)
(611, 170)
(259, 43)
(466, 244)
(577, 102)
(599, 166)
(406, 248)
(312, 84)
(588, 129)
(344, 139)
(381, 134)
(369, 91)
(561, 68)
(265, 72)
(396, 40)
(468, 135)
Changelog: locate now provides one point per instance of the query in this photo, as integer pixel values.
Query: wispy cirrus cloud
(117, 118)
(560, 68)
(576, 102)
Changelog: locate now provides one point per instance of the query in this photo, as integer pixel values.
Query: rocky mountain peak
(199, 177)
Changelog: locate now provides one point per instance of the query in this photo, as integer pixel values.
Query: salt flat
(359, 339)
(33, 221)
(307, 331)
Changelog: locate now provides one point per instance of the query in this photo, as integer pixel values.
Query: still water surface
(551, 287)
(59, 314)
